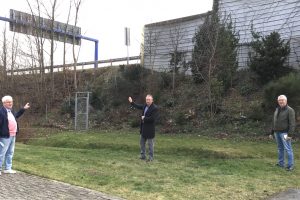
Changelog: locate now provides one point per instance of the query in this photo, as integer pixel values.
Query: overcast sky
(106, 20)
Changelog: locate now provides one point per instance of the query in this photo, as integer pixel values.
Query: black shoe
(289, 169)
(142, 158)
(278, 165)
(150, 160)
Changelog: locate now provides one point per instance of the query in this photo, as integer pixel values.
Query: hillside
(239, 111)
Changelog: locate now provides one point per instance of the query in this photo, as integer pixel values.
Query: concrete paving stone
(22, 186)
(291, 194)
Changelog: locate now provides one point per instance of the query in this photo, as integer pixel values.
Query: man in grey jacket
(283, 126)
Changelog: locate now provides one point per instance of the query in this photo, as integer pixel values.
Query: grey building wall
(283, 16)
(266, 16)
(163, 38)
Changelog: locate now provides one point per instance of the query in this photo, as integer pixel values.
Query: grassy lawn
(185, 167)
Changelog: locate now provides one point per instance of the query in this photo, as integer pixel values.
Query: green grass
(185, 167)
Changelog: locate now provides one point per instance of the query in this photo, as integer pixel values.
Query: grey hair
(150, 95)
(282, 97)
(6, 98)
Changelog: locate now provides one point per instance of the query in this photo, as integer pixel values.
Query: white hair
(282, 97)
(6, 98)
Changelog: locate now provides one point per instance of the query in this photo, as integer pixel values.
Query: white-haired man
(284, 125)
(8, 131)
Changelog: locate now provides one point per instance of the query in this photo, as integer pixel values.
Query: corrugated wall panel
(172, 34)
(266, 16)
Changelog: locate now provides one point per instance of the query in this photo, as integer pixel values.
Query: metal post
(127, 55)
(87, 112)
(6, 19)
(96, 48)
(76, 111)
(127, 42)
(96, 54)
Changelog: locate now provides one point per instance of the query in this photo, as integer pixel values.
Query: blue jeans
(284, 145)
(7, 147)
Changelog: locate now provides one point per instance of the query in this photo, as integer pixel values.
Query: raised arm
(138, 106)
(22, 110)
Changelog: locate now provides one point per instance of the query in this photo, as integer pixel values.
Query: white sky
(106, 20)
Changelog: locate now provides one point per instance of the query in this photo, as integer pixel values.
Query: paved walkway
(291, 194)
(23, 186)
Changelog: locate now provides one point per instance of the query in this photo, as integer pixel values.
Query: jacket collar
(283, 108)
(3, 110)
(149, 106)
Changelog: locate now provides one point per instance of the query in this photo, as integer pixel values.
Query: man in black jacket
(8, 131)
(147, 126)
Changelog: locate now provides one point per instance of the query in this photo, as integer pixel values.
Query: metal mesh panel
(82, 111)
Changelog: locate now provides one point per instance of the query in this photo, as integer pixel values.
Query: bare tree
(9, 56)
(32, 56)
(77, 4)
(151, 42)
(38, 39)
(176, 35)
(37, 50)
(14, 51)
(4, 56)
(51, 16)
(66, 85)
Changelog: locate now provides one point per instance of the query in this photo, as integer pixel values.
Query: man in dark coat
(147, 128)
(8, 132)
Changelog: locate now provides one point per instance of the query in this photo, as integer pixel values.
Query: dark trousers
(143, 147)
